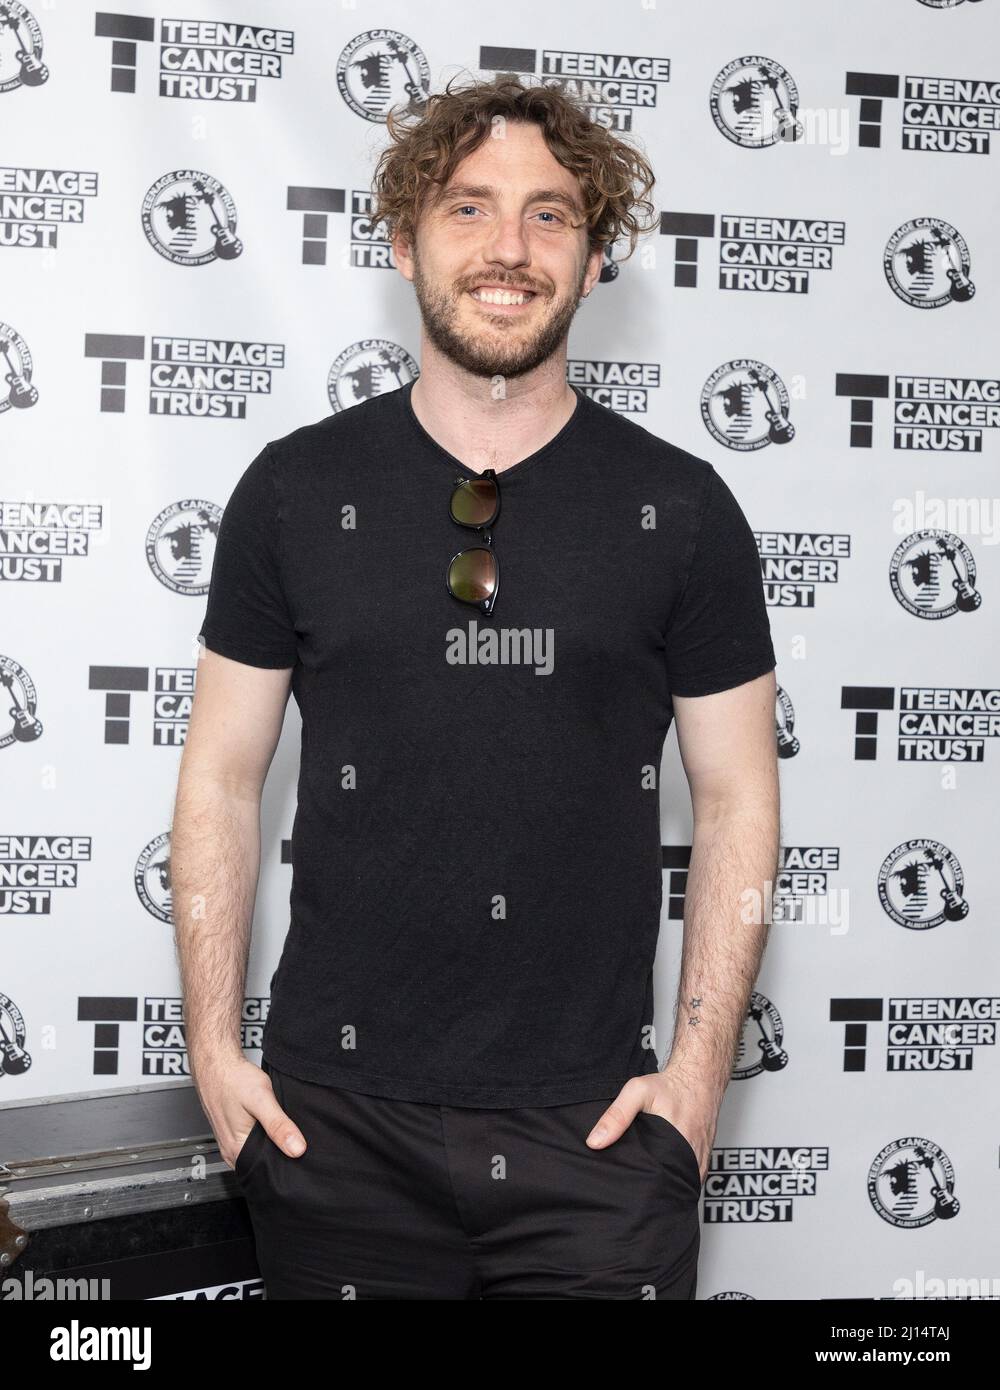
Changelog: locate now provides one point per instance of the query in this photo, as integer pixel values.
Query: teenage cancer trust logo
(933, 575)
(745, 404)
(190, 219)
(20, 48)
(151, 877)
(754, 103)
(382, 69)
(14, 1059)
(912, 1183)
(180, 545)
(18, 693)
(368, 368)
(17, 369)
(921, 885)
(926, 262)
(760, 1047)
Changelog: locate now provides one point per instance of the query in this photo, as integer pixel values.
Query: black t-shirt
(476, 860)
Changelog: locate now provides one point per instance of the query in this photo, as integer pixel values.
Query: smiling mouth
(504, 300)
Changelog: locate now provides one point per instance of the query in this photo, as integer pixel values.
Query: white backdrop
(857, 1150)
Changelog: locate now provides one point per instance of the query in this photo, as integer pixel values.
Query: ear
(594, 262)
(402, 254)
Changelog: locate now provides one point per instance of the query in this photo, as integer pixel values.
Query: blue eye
(545, 212)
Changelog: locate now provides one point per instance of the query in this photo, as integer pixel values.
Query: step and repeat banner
(188, 270)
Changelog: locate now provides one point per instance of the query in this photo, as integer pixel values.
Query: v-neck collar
(452, 462)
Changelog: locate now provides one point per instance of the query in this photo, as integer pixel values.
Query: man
(490, 596)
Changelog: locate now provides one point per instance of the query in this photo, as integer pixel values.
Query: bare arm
(235, 723)
(727, 745)
(728, 749)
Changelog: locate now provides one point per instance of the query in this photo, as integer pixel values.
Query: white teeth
(500, 297)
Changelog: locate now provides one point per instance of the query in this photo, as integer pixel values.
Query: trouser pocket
(255, 1142)
(670, 1146)
(250, 1151)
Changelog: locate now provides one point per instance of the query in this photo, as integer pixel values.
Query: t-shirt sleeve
(719, 635)
(247, 617)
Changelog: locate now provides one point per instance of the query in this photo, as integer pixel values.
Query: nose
(506, 243)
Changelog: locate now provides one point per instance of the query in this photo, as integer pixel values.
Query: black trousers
(399, 1200)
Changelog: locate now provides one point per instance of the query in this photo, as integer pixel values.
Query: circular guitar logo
(20, 48)
(926, 263)
(190, 219)
(933, 575)
(382, 69)
(152, 878)
(760, 1046)
(744, 405)
(911, 1183)
(754, 103)
(18, 701)
(180, 545)
(784, 719)
(921, 885)
(17, 365)
(368, 368)
(14, 1061)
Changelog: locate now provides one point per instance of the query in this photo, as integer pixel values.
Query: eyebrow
(537, 195)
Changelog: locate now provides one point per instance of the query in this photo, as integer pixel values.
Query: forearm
(214, 864)
(725, 933)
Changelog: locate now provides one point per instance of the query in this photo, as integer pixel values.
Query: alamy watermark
(32, 1288)
(501, 646)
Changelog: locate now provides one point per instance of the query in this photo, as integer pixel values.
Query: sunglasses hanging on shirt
(474, 573)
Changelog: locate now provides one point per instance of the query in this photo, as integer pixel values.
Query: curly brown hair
(615, 178)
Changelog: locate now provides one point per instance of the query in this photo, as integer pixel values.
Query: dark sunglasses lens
(474, 502)
(472, 575)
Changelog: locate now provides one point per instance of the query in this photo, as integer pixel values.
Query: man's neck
(462, 413)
